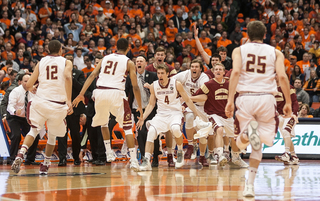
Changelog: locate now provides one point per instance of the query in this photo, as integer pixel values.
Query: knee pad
(257, 155)
(51, 140)
(203, 140)
(152, 134)
(189, 117)
(33, 132)
(175, 130)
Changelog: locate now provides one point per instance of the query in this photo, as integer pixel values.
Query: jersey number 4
(258, 67)
(110, 67)
(166, 100)
(52, 72)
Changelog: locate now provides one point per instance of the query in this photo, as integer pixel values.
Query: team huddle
(205, 101)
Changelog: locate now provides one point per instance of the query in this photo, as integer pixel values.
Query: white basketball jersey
(113, 71)
(190, 85)
(167, 99)
(51, 79)
(258, 69)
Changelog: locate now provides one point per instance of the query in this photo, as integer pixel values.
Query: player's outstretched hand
(70, 108)
(77, 100)
(229, 109)
(287, 111)
(34, 89)
(141, 113)
(139, 124)
(147, 85)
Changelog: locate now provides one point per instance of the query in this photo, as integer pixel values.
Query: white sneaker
(111, 156)
(195, 151)
(248, 190)
(16, 164)
(253, 136)
(213, 159)
(283, 158)
(180, 159)
(145, 165)
(226, 154)
(222, 161)
(239, 162)
(293, 161)
(134, 165)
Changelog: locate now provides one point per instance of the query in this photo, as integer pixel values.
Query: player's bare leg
(180, 154)
(294, 158)
(190, 133)
(169, 139)
(111, 156)
(212, 149)
(203, 146)
(151, 136)
(235, 154)
(226, 145)
(219, 145)
(28, 141)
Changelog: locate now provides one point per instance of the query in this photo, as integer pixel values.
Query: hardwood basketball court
(116, 181)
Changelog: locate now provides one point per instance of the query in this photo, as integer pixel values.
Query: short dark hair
(160, 49)
(12, 72)
(99, 56)
(256, 30)
(164, 67)
(221, 49)
(54, 46)
(4, 85)
(122, 44)
(9, 62)
(216, 55)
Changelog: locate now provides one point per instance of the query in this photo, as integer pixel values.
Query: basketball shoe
(253, 136)
(180, 159)
(17, 163)
(248, 190)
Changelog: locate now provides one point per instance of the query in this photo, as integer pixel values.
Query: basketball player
(109, 96)
(253, 77)
(286, 126)
(51, 104)
(215, 95)
(169, 115)
(160, 56)
(191, 81)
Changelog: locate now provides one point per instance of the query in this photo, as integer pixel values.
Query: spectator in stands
(304, 63)
(89, 67)
(185, 54)
(78, 57)
(304, 111)
(74, 28)
(299, 51)
(312, 66)
(177, 45)
(296, 73)
(311, 86)
(302, 96)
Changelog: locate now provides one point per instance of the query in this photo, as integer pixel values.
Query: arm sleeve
(295, 104)
(202, 90)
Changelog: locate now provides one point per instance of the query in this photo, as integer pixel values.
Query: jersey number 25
(256, 65)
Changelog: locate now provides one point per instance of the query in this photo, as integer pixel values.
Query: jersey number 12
(52, 72)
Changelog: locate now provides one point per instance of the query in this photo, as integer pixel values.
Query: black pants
(96, 141)
(74, 126)
(18, 126)
(142, 134)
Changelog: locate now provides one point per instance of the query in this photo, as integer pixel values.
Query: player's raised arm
(86, 85)
(149, 108)
(234, 79)
(136, 91)
(33, 78)
(186, 98)
(284, 83)
(203, 53)
(68, 84)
